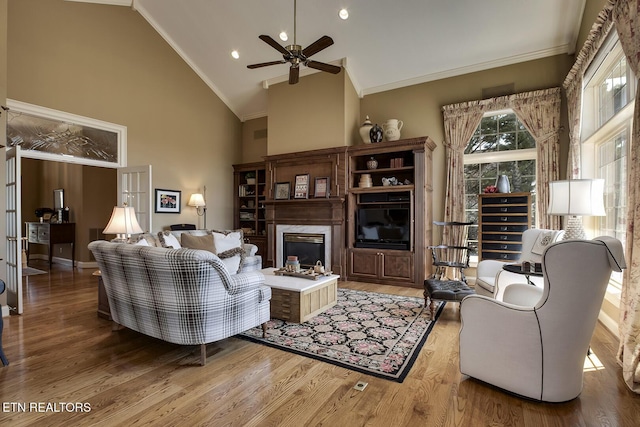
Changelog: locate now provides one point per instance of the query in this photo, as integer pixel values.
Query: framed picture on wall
(302, 187)
(282, 190)
(321, 188)
(168, 201)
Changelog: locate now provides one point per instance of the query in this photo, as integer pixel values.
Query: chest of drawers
(502, 218)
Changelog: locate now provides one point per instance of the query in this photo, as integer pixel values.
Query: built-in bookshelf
(249, 206)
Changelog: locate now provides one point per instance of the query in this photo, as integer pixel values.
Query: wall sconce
(197, 201)
(123, 224)
(575, 198)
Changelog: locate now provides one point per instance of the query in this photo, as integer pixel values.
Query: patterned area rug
(376, 334)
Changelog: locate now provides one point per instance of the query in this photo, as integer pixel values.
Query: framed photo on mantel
(301, 190)
(282, 190)
(321, 188)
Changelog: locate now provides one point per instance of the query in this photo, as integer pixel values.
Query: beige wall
(307, 116)
(254, 140)
(351, 113)
(108, 63)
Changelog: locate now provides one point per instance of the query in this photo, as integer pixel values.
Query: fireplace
(309, 243)
(308, 247)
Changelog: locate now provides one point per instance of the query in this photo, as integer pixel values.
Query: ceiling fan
(296, 55)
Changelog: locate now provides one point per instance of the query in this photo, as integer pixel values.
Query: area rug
(376, 334)
(29, 271)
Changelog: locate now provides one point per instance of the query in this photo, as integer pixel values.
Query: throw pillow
(168, 240)
(232, 259)
(543, 241)
(142, 242)
(148, 237)
(198, 242)
(227, 240)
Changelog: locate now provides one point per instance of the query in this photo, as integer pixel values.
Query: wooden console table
(44, 233)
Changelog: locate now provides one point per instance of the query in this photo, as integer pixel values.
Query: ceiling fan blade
(294, 75)
(274, 44)
(266, 64)
(315, 47)
(333, 69)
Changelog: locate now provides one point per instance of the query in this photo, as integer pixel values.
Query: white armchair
(491, 279)
(534, 342)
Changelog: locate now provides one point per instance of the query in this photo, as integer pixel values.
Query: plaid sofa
(183, 296)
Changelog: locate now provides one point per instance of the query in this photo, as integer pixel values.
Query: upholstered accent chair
(491, 279)
(534, 343)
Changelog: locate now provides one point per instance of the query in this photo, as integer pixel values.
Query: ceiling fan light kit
(295, 55)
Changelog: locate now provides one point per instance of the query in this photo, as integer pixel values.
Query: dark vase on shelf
(372, 163)
(376, 133)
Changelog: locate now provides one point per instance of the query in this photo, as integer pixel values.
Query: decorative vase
(392, 129)
(376, 133)
(372, 163)
(364, 131)
(502, 184)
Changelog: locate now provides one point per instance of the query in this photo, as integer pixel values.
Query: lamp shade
(123, 221)
(580, 197)
(197, 200)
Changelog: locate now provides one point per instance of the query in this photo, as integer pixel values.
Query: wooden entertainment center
(391, 251)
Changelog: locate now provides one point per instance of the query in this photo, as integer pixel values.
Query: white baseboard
(86, 264)
(65, 261)
(609, 323)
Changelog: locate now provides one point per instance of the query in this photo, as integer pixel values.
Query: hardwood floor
(60, 351)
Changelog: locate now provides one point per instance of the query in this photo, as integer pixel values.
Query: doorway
(90, 192)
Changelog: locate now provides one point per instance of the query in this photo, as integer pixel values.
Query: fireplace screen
(309, 248)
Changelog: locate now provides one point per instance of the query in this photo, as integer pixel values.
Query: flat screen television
(383, 228)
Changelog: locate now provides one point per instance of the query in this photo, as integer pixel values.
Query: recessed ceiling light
(235, 54)
(284, 37)
(344, 13)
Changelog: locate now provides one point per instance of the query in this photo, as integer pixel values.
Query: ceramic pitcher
(392, 129)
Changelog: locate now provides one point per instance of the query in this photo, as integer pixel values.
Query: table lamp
(576, 198)
(123, 224)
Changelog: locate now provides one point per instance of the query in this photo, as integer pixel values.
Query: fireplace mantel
(321, 211)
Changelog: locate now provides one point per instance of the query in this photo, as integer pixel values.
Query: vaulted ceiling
(383, 44)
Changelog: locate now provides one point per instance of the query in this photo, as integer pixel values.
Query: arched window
(501, 145)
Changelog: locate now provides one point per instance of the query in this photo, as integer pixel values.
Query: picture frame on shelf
(282, 190)
(302, 187)
(321, 188)
(168, 201)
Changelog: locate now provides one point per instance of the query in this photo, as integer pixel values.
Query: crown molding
(515, 59)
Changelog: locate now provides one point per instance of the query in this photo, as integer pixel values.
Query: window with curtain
(501, 145)
(608, 95)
